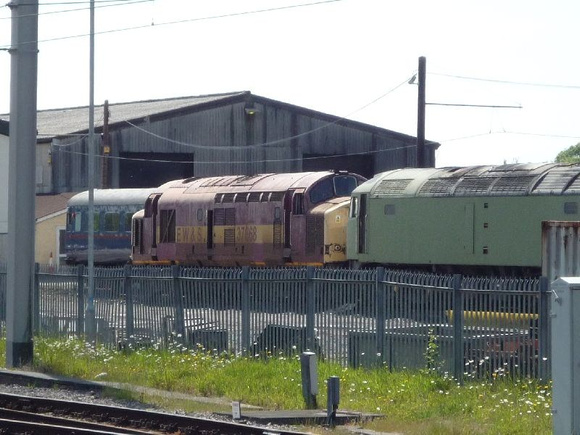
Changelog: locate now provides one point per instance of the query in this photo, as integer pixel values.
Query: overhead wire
(245, 148)
(273, 142)
(181, 21)
(108, 5)
(509, 82)
(216, 162)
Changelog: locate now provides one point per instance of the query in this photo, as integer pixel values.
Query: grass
(412, 402)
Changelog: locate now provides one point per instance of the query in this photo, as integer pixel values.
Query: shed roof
(61, 122)
(74, 120)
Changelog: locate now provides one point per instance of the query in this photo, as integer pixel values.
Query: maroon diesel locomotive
(261, 220)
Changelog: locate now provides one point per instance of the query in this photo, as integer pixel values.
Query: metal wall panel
(560, 249)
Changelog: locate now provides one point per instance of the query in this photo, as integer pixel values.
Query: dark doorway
(153, 169)
(360, 164)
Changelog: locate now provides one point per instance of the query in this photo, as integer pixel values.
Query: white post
(566, 356)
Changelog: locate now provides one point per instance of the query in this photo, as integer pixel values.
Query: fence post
(458, 351)
(245, 308)
(177, 297)
(381, 314)
(129, 307)
(543, 332)
(310, 300)
(36, 301)
(80, 301)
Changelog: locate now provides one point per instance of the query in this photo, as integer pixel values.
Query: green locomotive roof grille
(392, 187)
(473, 186)
(512, 186)
(438, 187)
(558, 181)
(574, 187)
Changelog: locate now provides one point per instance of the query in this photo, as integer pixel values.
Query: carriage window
(127, 220)
(97, 225)
(277, 213)
(75, 221)
(199, 214)
(112, 222)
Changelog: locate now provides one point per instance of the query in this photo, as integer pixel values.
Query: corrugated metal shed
(151, 142)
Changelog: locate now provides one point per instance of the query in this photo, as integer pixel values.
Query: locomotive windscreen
(340, 185)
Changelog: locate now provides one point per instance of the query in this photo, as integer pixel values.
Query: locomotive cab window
(341, 185)
(344, 185)
(298, 203)
(137, 232)
(167, 223)
(353, 207)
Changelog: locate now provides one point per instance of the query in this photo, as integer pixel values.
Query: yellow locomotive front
(334, 217)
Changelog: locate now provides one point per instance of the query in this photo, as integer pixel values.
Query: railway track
(23, 414)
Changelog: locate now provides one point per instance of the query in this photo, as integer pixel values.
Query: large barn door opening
(153, 169)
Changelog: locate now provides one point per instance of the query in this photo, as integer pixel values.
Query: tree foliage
(569, 155)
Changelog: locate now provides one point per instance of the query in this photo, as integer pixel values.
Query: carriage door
(362, 225)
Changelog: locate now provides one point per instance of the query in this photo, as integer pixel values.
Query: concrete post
(21, 182)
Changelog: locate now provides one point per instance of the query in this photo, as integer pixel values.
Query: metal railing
(462, 325)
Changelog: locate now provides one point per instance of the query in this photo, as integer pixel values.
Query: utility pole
(106, 147)
(90, 329)
(421, 113)
(21, 182)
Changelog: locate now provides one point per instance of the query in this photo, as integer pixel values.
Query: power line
(187, 20)
(242, 149)
(489, 133)
(117, 3)
(265, 144)
(509, 82)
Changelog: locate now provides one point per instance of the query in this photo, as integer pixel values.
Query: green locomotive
(479, 219)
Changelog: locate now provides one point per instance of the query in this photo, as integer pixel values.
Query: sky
(348, 58)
